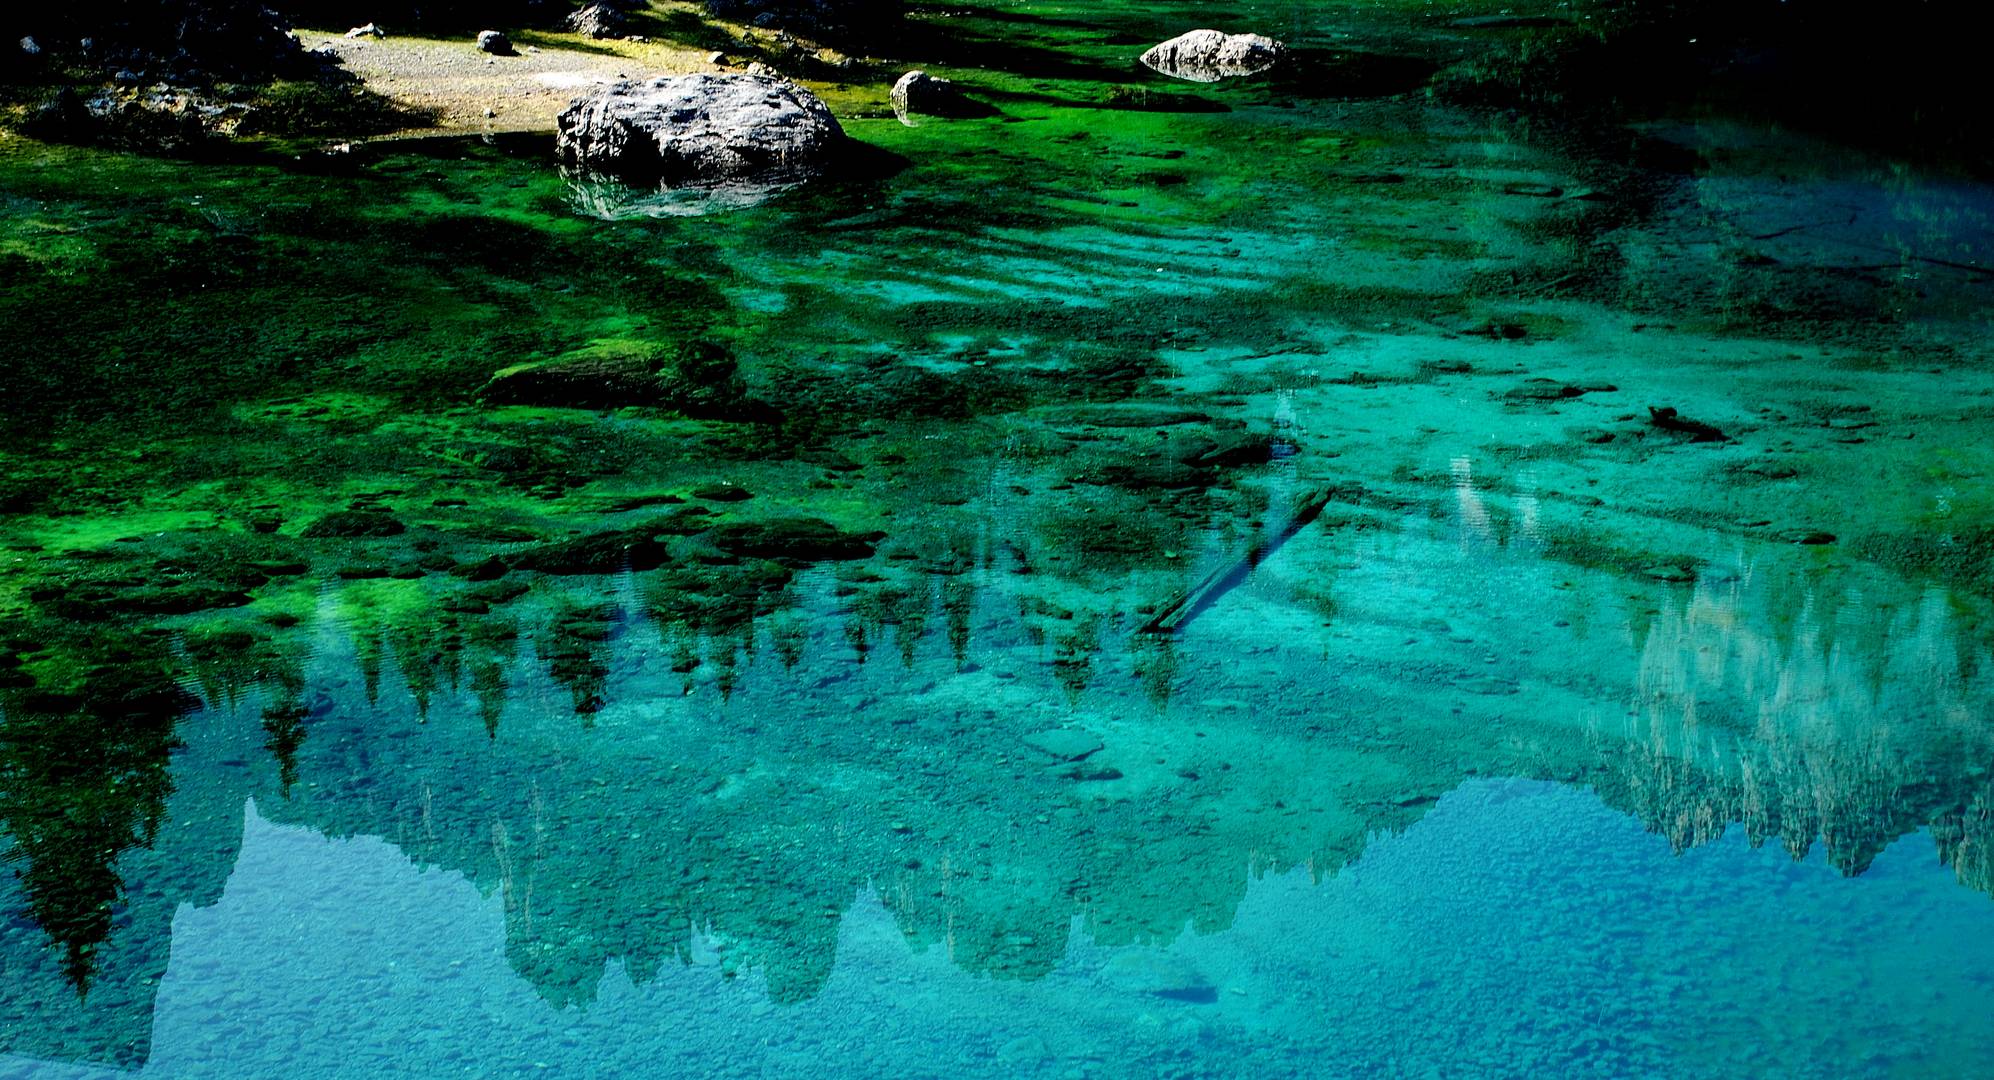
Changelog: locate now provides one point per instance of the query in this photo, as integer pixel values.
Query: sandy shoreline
(468, 90)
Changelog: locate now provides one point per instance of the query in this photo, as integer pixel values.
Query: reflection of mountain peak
(737, 769)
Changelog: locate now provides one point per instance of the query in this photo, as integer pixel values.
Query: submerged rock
(1668, 419)
(1163, 974)
(599, 553)
(1510, 22)
(791, 540)
(1211, 55)
(352, 523)
(696, 378)
(171, 600)
(1221, 449)
(700, 128)
(1142, 474)
(1183, 461)
(1126, 416)
(1065, 744)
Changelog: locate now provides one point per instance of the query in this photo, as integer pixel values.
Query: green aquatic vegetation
(657, 574)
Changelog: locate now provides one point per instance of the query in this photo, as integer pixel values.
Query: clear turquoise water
(1519, 928)
(1559, 744)
(855, 868)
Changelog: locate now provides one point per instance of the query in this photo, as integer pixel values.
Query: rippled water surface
(1248, 583)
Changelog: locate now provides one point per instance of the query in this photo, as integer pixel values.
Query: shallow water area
(1168, 580)
(612, 200)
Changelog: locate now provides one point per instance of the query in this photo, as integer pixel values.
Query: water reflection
(1608, 950)
(1817, 711)
(613, 200)
(1007, 765)
(640, 751)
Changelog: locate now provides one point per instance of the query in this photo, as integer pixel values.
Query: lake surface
(1182, 580)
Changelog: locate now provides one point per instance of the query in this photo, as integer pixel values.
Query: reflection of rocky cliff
(743, 767)
(1807, 716)
(1966, 840)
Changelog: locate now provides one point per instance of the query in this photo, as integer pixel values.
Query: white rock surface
(1211, 55)
(700, 127)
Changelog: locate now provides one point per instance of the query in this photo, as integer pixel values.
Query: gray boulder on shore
(159, 118)
(700, 128)
(599, 21)
(1211, 55)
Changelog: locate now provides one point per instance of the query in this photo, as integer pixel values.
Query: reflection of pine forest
(1111, 496)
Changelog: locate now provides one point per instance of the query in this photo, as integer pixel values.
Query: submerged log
(1192, 602)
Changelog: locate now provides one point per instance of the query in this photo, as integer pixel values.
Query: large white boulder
(1211, 55)
(700, 128)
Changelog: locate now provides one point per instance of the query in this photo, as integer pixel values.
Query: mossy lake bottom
(1162, 580)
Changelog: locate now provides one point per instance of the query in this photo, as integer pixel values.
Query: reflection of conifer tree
(491, 643)
(384, 616)
(710, 614)
(286, 678)
(1154, 657)
(855, 634)
(1966, 656)
(285, 725)
(910, 619)
(683, 649)
(958, 610)
(903, 609)
(576, 652)
(872, 609)
(788, 635)
(1034, 629)
(370, 656)
(83, 777)
(449, 656)
(228, 661)
(1073, 656)
(724, 656)
(489, 683)
(225, 661)
(419, 655)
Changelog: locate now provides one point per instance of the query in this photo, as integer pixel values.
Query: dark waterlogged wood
(1192, 602)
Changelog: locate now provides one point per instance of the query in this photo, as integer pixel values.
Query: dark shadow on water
(1327, 73)
(528, 145)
